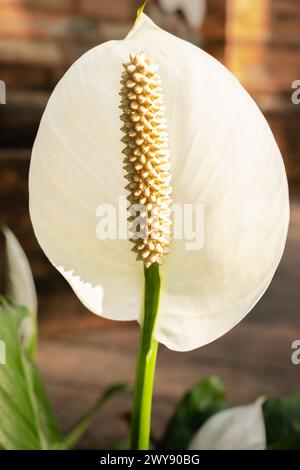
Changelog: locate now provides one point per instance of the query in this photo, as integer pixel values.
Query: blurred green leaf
(76, 433)
(122, 445)
(282, 421)
(288, 443)
(26, 417)
(200, 403)
(20, 287)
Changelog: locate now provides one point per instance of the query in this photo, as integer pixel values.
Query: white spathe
(223, 156)
(238, 428)
(20, 287)
(20, 284)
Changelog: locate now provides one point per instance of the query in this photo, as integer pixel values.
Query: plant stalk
(142, 400)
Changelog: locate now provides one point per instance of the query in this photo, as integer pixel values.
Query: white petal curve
(90, 296)
(238, 428)
(223, 155)
(225, 158)
(77, 166)
(20, 288)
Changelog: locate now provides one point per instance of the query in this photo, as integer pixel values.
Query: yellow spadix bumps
(146, 159)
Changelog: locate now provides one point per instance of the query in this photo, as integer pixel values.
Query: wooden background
(79, 353)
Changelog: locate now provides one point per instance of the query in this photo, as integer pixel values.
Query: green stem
(142, 400)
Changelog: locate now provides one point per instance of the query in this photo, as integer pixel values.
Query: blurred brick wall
(263, 51)
(210, 36)
(39, 39)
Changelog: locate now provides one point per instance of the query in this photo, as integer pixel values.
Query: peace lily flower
(238, 428)
(189, 132)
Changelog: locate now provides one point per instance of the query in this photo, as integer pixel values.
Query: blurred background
(79, 353)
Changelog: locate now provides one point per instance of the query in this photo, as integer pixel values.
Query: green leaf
(76, 433)
(282, 421)
(200, 403)
(20, 287)
(26, 417)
